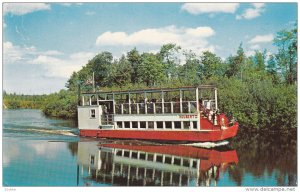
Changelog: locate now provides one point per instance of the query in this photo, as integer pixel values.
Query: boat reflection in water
(124, 163)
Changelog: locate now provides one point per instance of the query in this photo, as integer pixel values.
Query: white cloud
(62, 67)
(153, 38)
(11, 152)
(24, 8)
(70, 4)
(46, 149)
(11, 53)
(200, 32)
(252, 13)
(258, 5)
(262, 39)
(255, 47)
(53, 52)
(201, 8)
(56, 63)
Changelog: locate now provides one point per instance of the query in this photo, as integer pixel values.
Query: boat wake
(44, 131)
(56, 132)
(208, 144)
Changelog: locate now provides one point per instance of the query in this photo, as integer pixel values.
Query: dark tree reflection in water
(73, 147)
(266, 153)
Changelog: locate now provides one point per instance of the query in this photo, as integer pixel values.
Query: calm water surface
(39, 151)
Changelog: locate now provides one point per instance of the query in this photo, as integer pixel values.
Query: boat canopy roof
(155, 90)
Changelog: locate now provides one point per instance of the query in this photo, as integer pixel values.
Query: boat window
(133, 107)
(186, 163)
(168, 124)
(150, 157)
(126, 153)
(195, 124)
(134, 155)
(125, 108)
(150, 125)
(168, 160)
(119, 124)
(127, 124)
(118, 109)
(177, 161)
(158, 107)
(159, 158)
(143, 156)
(193, 107)
(141, 108)
(177, 124)
(134, 124)
(194, 164)
(186, 125)
(176, 106)
(119, 153)
(150, 107)
(185, 107)
(159, 124)
(167, 107)
(93, 113)
(143, 124)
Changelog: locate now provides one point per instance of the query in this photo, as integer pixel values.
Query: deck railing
(156, 108)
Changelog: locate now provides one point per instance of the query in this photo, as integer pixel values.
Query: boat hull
(162, 135)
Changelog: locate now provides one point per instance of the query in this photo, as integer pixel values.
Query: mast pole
(94, 82)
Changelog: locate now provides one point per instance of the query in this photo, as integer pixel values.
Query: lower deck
(164, 135)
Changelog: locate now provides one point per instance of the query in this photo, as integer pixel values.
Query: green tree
(168, 56)
(120, 72)
(211, 65)
(287, 43)
(236, 63)
(100, 65)
(259, 60)
(134, 59)
(151, 70)
(62, 104)
(272, 69)
(190, 72)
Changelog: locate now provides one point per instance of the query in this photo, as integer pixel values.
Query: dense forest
(259, 90)
(14, 101)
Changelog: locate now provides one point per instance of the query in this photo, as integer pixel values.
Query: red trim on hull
(182, 136)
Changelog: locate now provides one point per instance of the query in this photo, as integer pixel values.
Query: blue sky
(43, 43)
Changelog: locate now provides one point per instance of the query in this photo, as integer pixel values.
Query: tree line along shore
(259, 90)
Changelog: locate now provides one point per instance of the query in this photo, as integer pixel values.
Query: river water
(40, 151)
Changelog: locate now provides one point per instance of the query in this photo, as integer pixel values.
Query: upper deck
(153, 101)
(154, 90)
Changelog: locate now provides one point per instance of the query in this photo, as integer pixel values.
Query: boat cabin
(148, 109)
